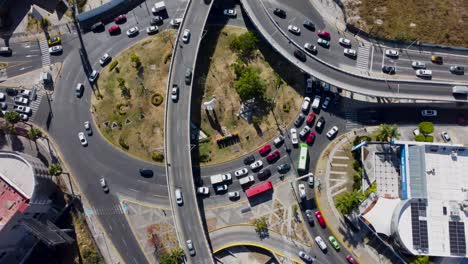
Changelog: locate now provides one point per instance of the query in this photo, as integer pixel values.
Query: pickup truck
(246, 180)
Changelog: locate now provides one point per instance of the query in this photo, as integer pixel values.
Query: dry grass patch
(437, 21)
(139, 123)
(219, 82)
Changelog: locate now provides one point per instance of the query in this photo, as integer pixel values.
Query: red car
(264, 150)
(273, 156)
(351, 260)
(311, 138)
(310, 118)
(323, 34)
(320, 219)
(114, 29)
(120, 19)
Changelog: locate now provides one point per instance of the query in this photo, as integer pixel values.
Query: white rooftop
(17, 172)
(446, 178)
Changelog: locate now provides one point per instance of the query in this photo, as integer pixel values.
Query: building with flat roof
(422, 196)
(25, 206)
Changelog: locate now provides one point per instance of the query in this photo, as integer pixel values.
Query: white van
(321, 243)
(316, 102)
(5, 51)
(178, 196)
(246, 180)
(79, 89)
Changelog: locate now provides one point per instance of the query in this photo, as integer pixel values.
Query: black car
(309, 25)
(146, 172)
(388, 69)
(98, 27)
(157, 20)
(300, 55)
(320, 124)
(279, 12)
(299, 120)
(188, 76)
(263, 174)
(283, 168)
(249, 160)
(310, 217)
(11, 91)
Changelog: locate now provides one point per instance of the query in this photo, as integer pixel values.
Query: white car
(227, 177)
(418, 65)
(302, 191)
(152, 29)
(3, 106)
(203, 190)
(2, 96)
(186, 36)
(55, 49)
(391, 53)
(22, 109)
(320, 243)
(82, 138)
(305, 104)
(294, 139)
(87, 127)
(304, 131)
(103, 184)
(93, 76)
(310, 180)
(305, 256)
(316, 102)
(132, 31)
(25, 93)
(256, 165)
(446, 136)
(241, 172)
(326, 102)
(294, 29)
(190, 247)
(21, 100)
(429, 112)
(221, 188)
(233, 195)
(278, 140)
(175, 93)
(423, 73)
(24, 117)
(310, 47)
(350, 52)
(104, 59)
(332, 132)
(230, 12)
(345, 42)
(178, 196)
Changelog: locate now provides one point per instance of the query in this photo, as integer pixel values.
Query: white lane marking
(372, 58)
(31, 55)
(24, 68)
(133, 190)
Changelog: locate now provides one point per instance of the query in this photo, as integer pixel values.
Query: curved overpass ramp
(177, 133)
(265, 22)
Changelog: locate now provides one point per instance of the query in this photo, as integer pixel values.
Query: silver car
(304, 131)
(190, 247)
(132, 31)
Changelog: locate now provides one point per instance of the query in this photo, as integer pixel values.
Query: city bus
(301, 167)
(258, 189)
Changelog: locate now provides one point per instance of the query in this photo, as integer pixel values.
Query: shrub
(250, 85)
(156, 156)
(356, 165)
(157, 99)
(286, 107)
(245, 44)
(113, 65)
(123, 143)
(167, 57)
(429, 138)
(205, 157)
(420, 138)
(426, 127)
(135, 60)
(119, 109)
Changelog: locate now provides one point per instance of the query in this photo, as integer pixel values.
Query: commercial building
(421, 201)
(26, 209)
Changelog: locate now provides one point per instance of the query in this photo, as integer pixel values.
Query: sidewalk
(355, 241)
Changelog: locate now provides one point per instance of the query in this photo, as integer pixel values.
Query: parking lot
(25, 102)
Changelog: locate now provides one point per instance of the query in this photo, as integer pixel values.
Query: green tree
(125, 91)
(34, 134)
(387, 132)
(12, 118)
(177, 254)
(250, 85)
(421, 260)
(347, 201)
(244, 45)
(261, 224)
(426, 127)
(55, 169)
(135, 60)
(420, 138)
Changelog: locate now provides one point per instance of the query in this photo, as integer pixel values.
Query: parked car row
(21, 99)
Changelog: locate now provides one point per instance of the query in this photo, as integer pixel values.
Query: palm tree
(346, 202)
(177, 254)
(34, 134)
(12, 118)
(387, 132)
(55, 169)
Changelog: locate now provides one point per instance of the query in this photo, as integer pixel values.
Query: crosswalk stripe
(115, 210)
(363, 57)
(44, 52)
(351, 120)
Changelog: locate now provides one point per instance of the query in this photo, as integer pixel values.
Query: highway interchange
(100, 159)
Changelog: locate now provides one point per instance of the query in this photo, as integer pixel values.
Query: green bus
(301, 167)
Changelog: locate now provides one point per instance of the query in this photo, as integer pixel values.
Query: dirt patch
(218, 82)
(126, 116)
(436, 21)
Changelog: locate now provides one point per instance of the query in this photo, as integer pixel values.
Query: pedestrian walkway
(115, 210)
(351, 120)
(45, 52)
(363, 56)
(35, 103)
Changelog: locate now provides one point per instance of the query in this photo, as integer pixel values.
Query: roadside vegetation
(238, 68)
(441, 22)
(86, 247)
(425, 132)
(128, 105)
(347, 201)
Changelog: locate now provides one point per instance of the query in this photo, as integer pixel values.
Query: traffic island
(127, 106)
(244, 94)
